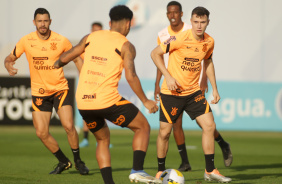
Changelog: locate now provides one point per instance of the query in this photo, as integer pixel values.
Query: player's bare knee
(42, 135)
(209, 127)
(69, 128)
(164, 135)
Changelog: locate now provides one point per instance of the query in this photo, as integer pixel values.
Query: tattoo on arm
(131, 55)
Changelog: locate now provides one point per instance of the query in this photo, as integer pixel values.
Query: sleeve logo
(172, 38)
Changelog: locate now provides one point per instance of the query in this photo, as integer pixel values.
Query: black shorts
(46, 103)
(121, 114)
(172, 106)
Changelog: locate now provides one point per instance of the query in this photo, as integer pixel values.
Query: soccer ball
(172, 176)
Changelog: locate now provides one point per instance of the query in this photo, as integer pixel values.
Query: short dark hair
(120, 12)
(200, 11)
(97, 24)
(41, 11)
(174, 3)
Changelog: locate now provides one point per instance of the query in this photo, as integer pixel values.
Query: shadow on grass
(252, 176)
(264, 166)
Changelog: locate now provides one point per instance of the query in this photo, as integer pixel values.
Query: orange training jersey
(98, 81)
(166, 33)
(41, 56)
(186, 54)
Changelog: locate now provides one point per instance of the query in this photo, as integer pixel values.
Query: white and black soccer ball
(172, 176)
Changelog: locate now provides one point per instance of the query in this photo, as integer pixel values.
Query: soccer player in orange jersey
(107, 53)
(96, 26)
(180, 90)
(49, 86)
(174, 15)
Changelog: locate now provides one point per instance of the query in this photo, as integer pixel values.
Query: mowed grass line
(24, 159)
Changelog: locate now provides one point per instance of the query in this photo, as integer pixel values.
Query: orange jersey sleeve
(19, 48)
(186, 54)
(41, 56)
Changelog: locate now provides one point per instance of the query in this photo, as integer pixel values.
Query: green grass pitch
(24, 159)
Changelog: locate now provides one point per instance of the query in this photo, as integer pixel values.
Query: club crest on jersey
(53, 46)
(172, 38)
(38, 101)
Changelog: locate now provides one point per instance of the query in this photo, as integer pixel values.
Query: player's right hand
(10, 68)
(172, 83)
(151, 106)
(157, 93)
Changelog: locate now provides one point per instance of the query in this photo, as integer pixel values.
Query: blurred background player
(107, 53)
(181, 91)
(49, 86)
(174, 15)
(96, 26)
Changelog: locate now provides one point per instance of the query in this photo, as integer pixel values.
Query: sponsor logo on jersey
(172, 38)
(41, 91)
(89, 97)
(191, 59)
(189, 64)
(99, 58)
(43, 49)
(95, 73)
(196, 50)
(39, 64)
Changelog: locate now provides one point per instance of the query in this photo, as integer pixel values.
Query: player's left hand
(216, 97)
(151, 106)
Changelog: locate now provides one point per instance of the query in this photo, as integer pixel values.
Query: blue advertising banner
(244, 106)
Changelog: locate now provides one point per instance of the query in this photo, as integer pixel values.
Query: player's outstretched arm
(211, 75)
(10, 60)
(71, 54)
(157, 57)
(128, 54)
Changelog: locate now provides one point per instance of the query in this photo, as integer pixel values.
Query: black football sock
(221, 141)
(61, 156)
(76, 154)
(161, 164)
(209, 162)
(138, 160)
(85, 134)
(107, 175)
(183, 153)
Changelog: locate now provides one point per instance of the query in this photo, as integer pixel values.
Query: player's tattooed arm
(71, 54)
